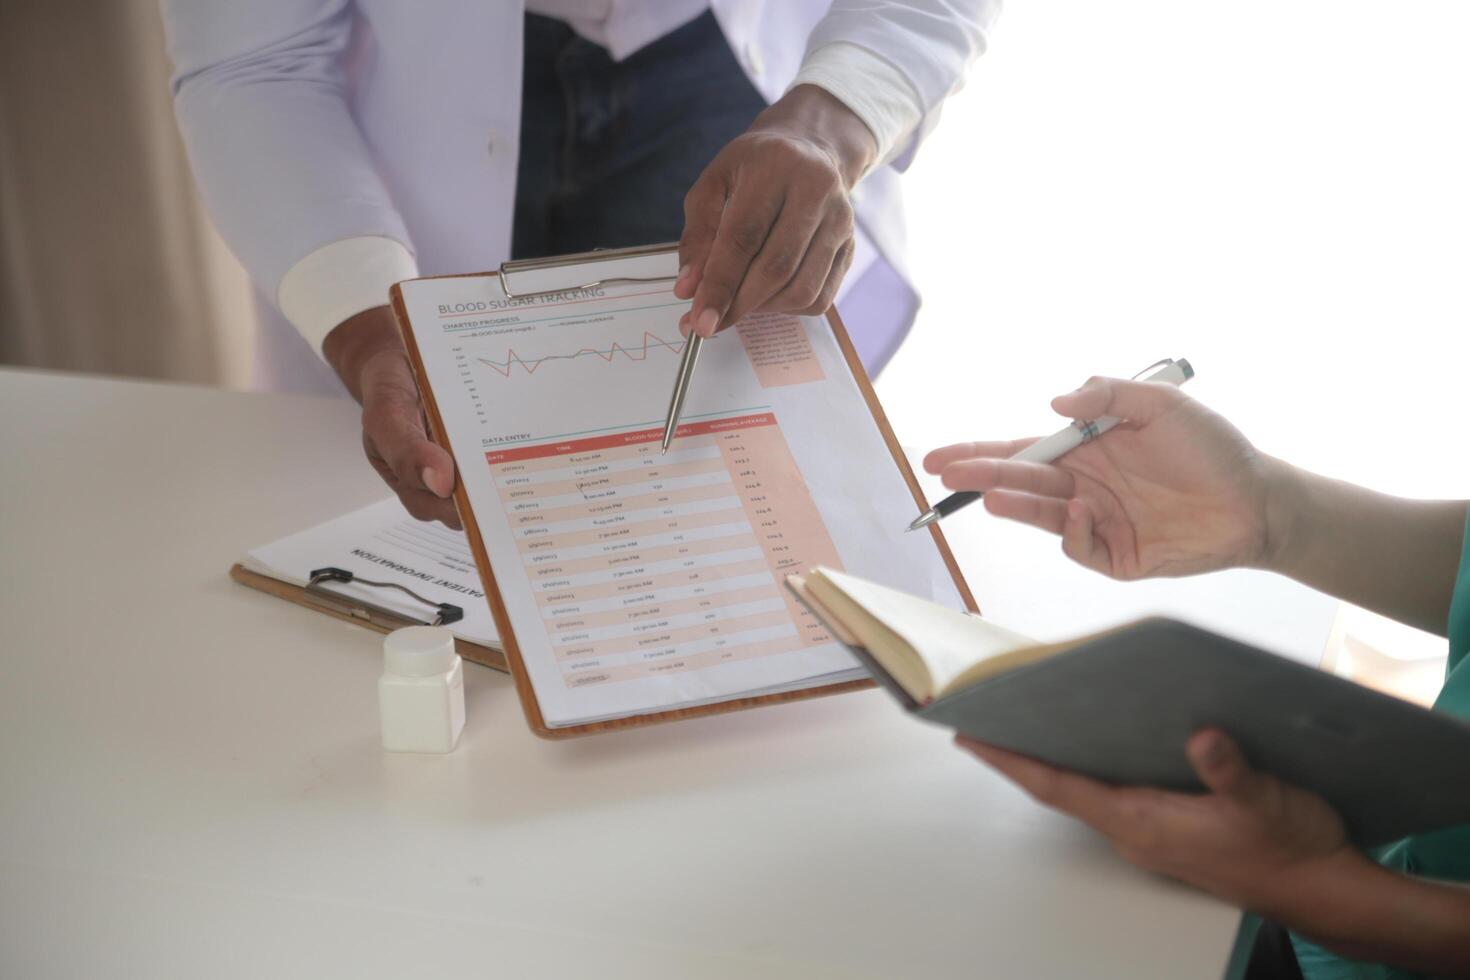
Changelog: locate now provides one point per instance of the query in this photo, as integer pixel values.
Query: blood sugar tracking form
(636, 581)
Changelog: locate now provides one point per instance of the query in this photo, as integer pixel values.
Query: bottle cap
(419, 651)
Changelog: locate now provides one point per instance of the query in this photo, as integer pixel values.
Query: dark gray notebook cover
(1121, 707)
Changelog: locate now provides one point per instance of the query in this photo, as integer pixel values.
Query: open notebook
(1119, 705)
(939, 651)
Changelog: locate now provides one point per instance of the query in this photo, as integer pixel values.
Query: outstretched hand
(1172, 490)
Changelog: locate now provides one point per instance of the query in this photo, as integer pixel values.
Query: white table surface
(191, 785)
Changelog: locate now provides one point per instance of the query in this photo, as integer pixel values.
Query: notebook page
(637, 582)
(949, 641)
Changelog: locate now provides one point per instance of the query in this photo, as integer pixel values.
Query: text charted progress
(645, 564)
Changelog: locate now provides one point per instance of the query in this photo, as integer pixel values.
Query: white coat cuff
(872, 88)
(339, 281)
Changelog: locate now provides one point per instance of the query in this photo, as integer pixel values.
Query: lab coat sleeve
(260, 94)
(930, 42)
(874, 90)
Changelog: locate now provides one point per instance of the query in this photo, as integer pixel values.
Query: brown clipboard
(349, 612)
(518, 672)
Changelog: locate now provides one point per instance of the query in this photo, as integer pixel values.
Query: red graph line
(639, 353)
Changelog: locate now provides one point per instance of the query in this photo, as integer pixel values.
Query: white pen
(1062, 441)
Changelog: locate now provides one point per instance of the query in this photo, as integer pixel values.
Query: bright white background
(1279, 192)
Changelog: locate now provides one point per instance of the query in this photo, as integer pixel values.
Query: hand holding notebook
(1120, 705)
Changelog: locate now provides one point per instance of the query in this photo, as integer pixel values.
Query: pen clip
(1163, 362)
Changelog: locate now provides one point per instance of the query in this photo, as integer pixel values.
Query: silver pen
(681, 386)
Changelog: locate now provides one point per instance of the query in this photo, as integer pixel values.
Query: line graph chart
(639, 351)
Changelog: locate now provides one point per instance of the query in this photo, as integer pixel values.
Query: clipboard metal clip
(507, 269)
(357, 608)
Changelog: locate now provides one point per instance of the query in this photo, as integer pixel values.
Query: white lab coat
(312, 121)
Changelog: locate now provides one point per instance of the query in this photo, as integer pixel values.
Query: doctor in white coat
(344, 145)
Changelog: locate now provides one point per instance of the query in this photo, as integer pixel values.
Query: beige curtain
(107, 262)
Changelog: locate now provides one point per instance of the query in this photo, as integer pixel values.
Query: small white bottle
(421, 692)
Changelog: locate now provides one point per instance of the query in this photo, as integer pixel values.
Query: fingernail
(430, 482)
(685, 285)
(707, 321)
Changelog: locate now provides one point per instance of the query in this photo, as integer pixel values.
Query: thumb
(438, 479)
(1137, 401)
(1221, 766)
